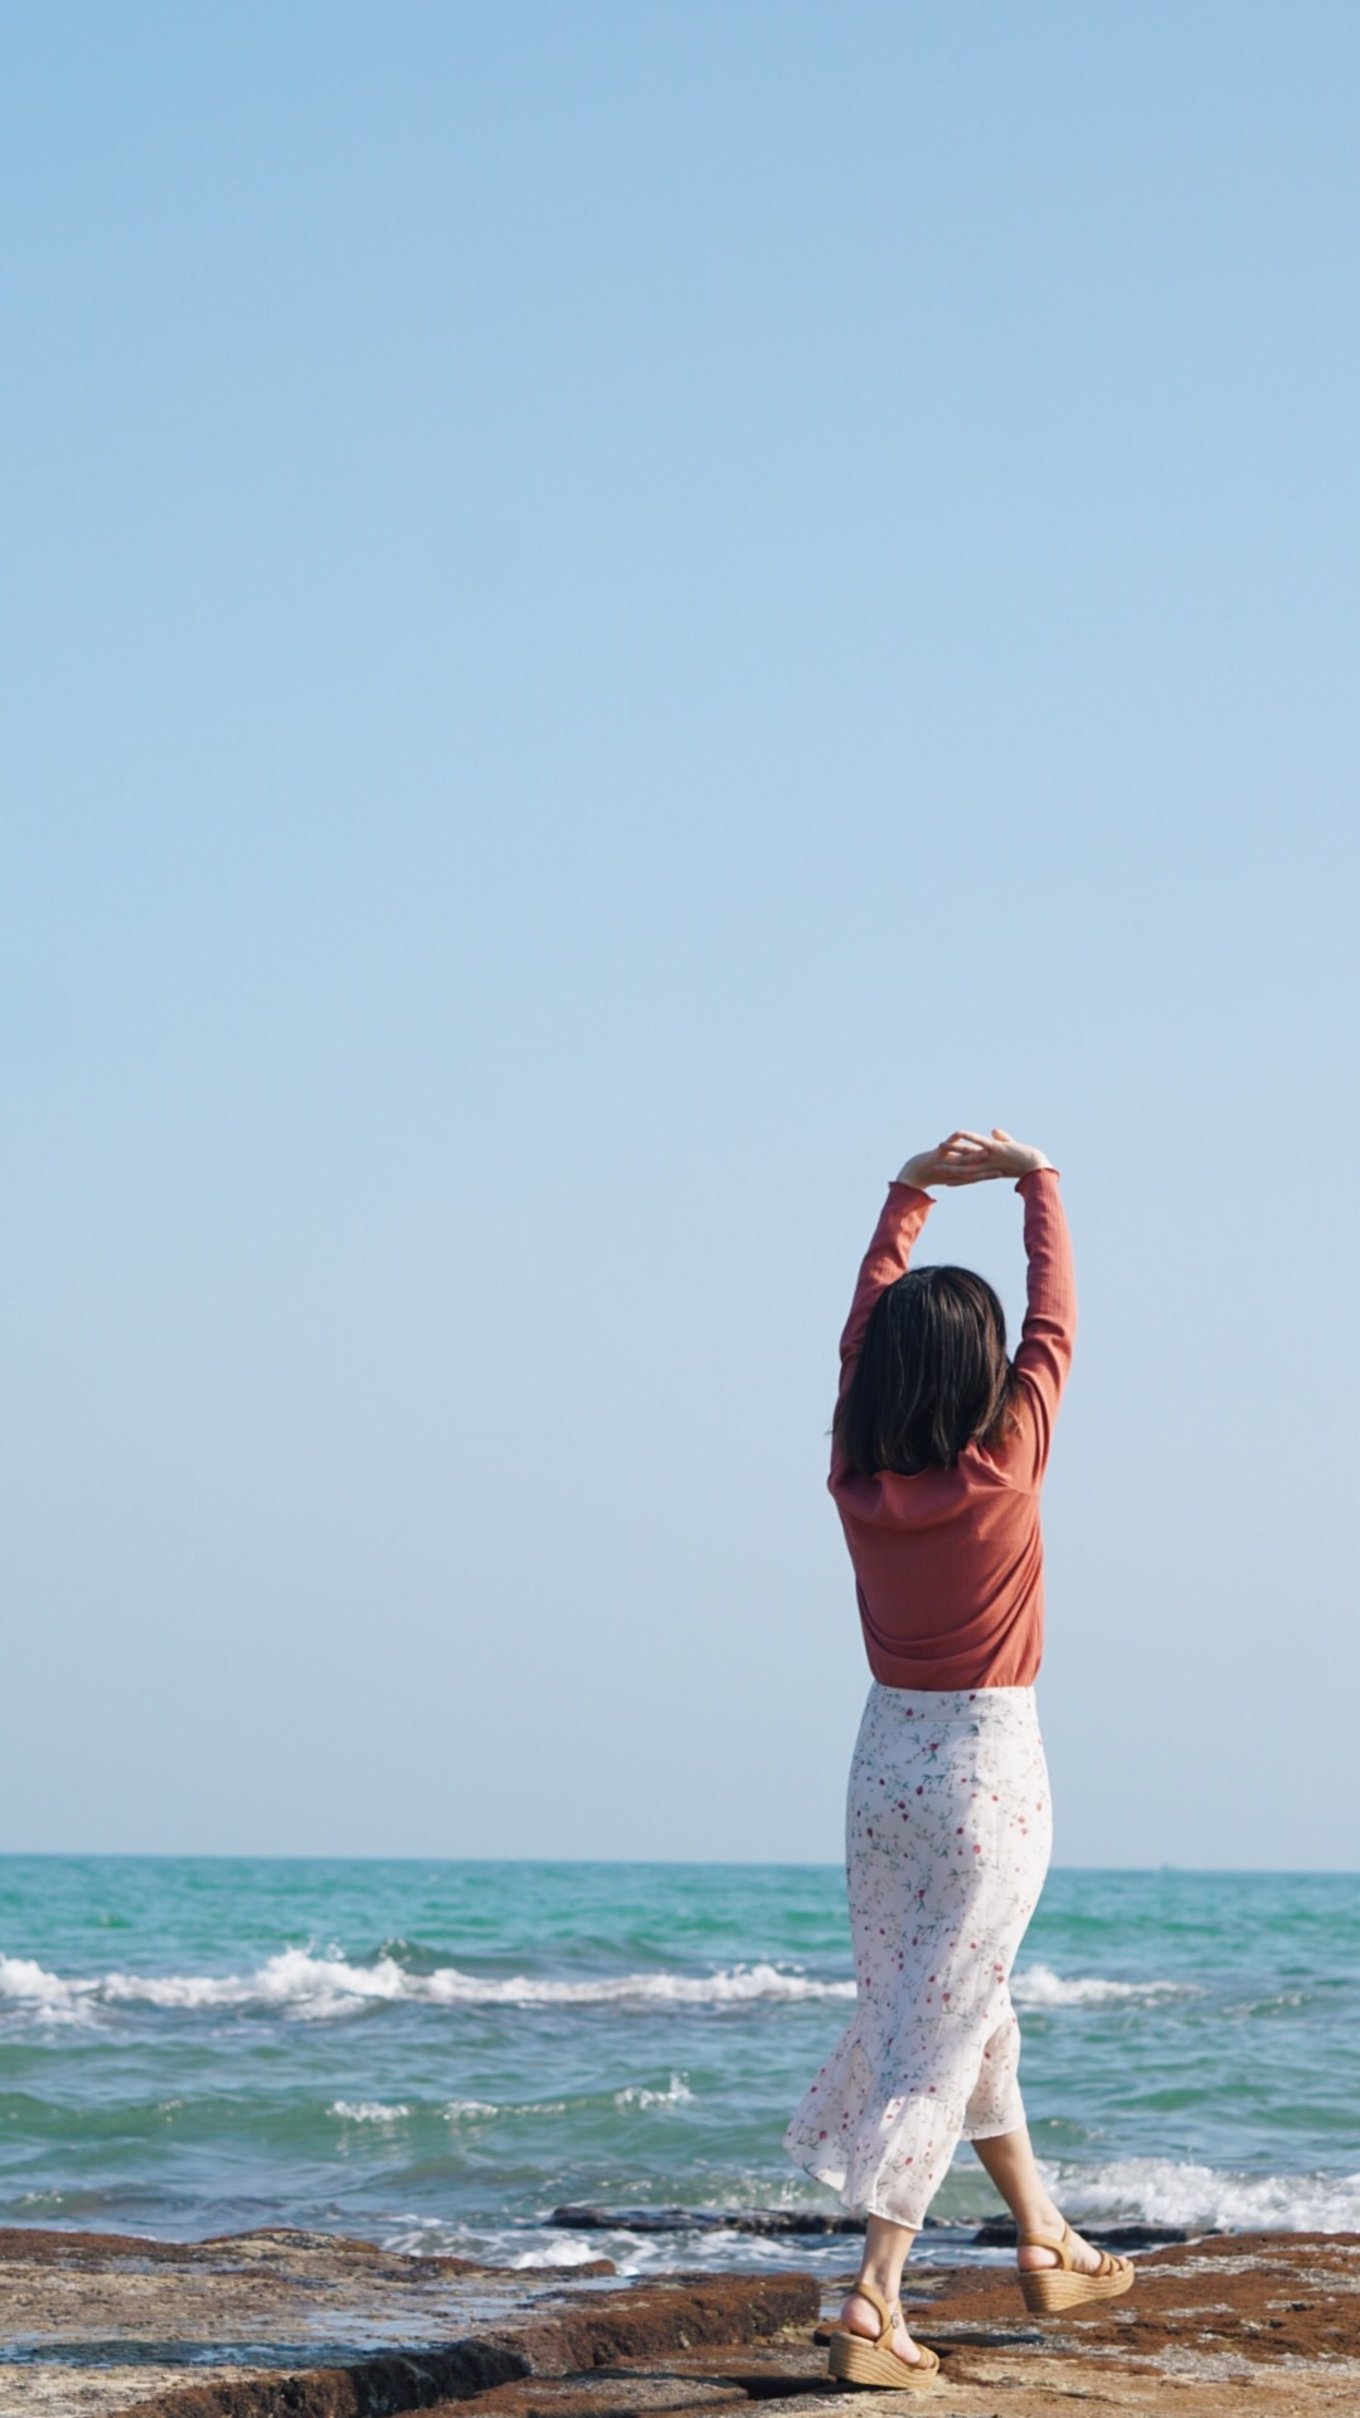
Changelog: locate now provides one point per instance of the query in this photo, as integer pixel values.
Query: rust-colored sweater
(949, 1564)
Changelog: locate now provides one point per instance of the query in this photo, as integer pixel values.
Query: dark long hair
(932, 1375)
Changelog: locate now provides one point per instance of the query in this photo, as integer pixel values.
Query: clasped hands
(971, 1158)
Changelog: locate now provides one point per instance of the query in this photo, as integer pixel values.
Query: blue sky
(616, 616)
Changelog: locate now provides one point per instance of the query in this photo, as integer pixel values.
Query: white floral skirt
(948, 1832)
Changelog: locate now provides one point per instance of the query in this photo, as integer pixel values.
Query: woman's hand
(998, 1153)
(972, 1158)
(962, 1158)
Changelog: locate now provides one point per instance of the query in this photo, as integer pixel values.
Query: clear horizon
(113, 1855)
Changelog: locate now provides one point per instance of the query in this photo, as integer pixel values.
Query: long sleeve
(903, 1215)
(1045, 1353)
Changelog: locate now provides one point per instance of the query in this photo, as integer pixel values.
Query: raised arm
(1045, 1353)
(903, 1215)
(1046, 1339)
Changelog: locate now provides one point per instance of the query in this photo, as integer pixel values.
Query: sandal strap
(1062, 2249)
(1061, 2246)
(887, 2314)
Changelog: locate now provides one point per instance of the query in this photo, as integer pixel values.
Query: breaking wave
(314, 1988)
(1206, 2199)
(676, 2094)
(1037, 1986)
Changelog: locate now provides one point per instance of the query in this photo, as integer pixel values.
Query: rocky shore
(265, 2324)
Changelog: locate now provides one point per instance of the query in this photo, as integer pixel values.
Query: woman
(939, 1450)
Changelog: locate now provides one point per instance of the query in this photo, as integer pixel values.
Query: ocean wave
(1206, 2199)
(38, 1992)
(368, 2111)
(632, 2254)
(633, 2094)
(313, 1988)
(676, 2094)
(737, 1986)
(1038, 1986)
(560, 2250)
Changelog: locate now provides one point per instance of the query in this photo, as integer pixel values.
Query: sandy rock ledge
(299, 2325)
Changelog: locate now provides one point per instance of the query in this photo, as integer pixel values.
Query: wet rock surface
(582, 2216)
(316, 2327)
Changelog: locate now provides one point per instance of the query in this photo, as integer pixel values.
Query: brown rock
(1277, 2316)
(326, 2328)
(655, 2318)
(1258, 2297)
(608, 2393)
(371, 2388)
(584, 2217)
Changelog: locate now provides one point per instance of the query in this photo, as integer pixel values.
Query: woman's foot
(1085, 2261)
(859, 2316)
(1060, 2271)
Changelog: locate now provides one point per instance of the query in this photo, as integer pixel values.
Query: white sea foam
(21, 1978)
(1037, 1986)
(314, 1988)
(1205, 2199)
(1200, 2199)
(741, 1984)
(503, 2246)
(41, 1993)
(676, 2094)
(560, 2250)
(367, 2111)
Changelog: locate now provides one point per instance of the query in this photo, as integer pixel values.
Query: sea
(544, 2063)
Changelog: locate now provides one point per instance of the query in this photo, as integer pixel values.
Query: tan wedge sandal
(853, 2359)
(1048, 2289)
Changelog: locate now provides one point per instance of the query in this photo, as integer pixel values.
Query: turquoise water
(437, 2055)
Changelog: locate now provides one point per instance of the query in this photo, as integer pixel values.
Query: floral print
(948, 1835)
